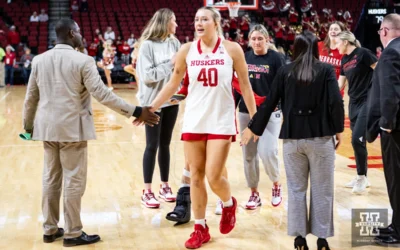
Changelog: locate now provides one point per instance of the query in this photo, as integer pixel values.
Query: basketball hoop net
(234, 9)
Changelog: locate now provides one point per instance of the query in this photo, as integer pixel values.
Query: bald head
(68, 32)
(390, 28)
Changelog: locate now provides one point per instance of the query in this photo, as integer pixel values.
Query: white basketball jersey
(210, 105)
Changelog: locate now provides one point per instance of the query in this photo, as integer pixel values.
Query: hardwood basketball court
(111, 205)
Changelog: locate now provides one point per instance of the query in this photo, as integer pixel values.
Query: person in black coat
(313, 114)
(383, 117)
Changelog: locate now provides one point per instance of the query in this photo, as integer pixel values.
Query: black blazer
(309, 111)
(383, 100)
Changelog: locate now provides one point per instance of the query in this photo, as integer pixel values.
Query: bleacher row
(34, 34)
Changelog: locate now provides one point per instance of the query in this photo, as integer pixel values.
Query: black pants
(390, 144)
(159, 137)
(358, 125)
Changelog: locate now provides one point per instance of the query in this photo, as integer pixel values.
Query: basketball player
(209, 120)
(263, 64)
(156, 59)
(328, 53)
(357, 68)
(107, 63)
(182, 210)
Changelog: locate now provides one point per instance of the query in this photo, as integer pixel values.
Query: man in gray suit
(57, 111)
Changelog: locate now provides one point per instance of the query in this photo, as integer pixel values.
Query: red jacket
(10, 59)
(13, 37)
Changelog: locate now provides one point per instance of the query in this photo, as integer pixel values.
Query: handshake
(147, 117)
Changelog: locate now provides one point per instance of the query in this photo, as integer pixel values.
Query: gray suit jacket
(58, 99)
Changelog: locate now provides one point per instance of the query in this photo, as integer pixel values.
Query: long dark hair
(305, 55)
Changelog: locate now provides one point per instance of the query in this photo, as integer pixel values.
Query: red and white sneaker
(254, 201)
(166, 194)
(198, 237)
(276, 195)
(228, 218)
(149, 200)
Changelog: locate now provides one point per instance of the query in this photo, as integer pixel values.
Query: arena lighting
(285, 6)
(268, 5)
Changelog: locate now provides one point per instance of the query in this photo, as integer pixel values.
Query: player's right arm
(173, 84)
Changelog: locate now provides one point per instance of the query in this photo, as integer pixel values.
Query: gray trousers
(64, 161)
(314, 157)
(266, 148)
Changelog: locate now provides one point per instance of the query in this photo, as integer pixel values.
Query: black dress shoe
(322, 244)
(53, 237)
(384, 231)
(389, 241)
(84, 239)
(300, 243)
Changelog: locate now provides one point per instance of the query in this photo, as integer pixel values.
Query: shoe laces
(276, 191)
(166, 190)
(253, 198)
(196, 234)
(150, 196)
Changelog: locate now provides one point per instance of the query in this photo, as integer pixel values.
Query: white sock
(228, 203)
(201, 222)
(184, 185)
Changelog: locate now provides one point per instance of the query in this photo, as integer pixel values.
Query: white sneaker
(218, 209)
(353, 182)
(166, 194)
(254, 201)
(361, 185)
(149, 200)
(276, 195)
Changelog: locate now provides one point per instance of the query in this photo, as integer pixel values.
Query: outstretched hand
(147, 117)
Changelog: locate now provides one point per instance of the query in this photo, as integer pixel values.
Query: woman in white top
(209, 124)
(34, 17)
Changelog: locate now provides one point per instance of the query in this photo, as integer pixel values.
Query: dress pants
(390, 144)
(64, 161)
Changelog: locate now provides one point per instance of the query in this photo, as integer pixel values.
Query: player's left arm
(240, 66)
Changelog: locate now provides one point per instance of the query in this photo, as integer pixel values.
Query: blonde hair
(216, 17)
(260, 28)
(157, 28)
(348, 36)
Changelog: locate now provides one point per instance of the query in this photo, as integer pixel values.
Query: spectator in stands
(97, 32)
(74, 6)
(233, 26)
(26, 61)
(241, 41)
(9, 65)
(131, 40)
(13, 38)
(245, 26)
(124, 50)
(93, 48)
(279, 32)
(293, 16)
(227, 37)
(187, 39)
(119, 41)
(34, 17)
(291, 34)
(109, 34)
(225, 25)
(43, 17)
(347, 19)
(2, 77)
(84, 6)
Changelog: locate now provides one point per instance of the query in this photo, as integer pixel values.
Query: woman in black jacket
(313, 114)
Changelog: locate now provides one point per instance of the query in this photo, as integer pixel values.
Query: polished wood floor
(111, 205)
